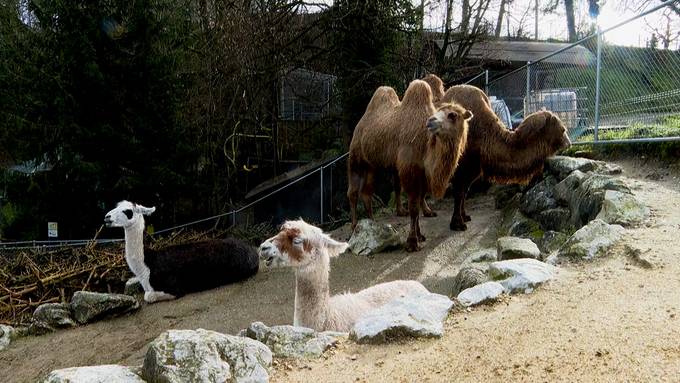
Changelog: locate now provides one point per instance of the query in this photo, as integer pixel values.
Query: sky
(636, 33)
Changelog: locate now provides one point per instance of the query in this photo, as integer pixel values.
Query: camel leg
(401, 212)
(427, 211)
(367, 190)
(461, 184)
(354, 180)
(413, 210)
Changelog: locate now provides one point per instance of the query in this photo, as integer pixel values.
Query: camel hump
(384, 96)
(458, 93)
(436, 84)
(417, 93)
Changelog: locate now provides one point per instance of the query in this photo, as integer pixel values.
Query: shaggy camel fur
(437, 86)
(179, 269)
(497, 154)
(308, 250)
(424, 156)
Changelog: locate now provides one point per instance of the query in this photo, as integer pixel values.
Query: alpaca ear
(144, 210)
(468, 115)
(334, 247)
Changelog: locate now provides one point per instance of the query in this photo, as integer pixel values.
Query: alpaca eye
(128, 213)
(297, 241)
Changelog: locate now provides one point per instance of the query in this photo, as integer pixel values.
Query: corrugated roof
(523, 51)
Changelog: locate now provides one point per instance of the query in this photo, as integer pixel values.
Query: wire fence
(318, 196)
(602, 92)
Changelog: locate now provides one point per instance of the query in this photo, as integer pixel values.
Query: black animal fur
(191, 267)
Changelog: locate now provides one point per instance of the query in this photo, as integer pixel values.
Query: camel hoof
(412, 245)
(467, 218)
(402, 213)
(457, 226)
(429, 214)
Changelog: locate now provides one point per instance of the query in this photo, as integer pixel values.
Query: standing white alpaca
(308, 250)
(179, 269)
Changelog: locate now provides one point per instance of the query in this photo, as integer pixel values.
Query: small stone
(6, 336)
(514, 247)
(486, 255)
(94, 374)
(291, 341)
(485, 292)
(521, 275)
(591, 241)
(622, 208)
(469, 276)
(88, 306)
(370, 237)
(50, 316)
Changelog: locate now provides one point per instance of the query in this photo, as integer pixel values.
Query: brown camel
(422, 143)
(497, 154)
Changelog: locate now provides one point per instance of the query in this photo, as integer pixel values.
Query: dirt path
(600, 322)
(608, 321)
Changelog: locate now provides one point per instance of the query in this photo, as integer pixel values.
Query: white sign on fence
(52, 230)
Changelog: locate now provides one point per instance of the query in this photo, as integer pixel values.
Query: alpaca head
(449, 121)
(126, 214)
(299, 244)
(545, 126)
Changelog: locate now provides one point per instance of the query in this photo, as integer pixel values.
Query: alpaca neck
(516, 157)
(134, 252)
(312, 295)
(441, 160)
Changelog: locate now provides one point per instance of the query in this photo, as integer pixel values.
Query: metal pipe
(597, 83)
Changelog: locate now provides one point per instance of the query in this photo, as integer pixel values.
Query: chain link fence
(602, 92)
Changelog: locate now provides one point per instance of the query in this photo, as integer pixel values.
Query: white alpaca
(308, 250)
(179, 269)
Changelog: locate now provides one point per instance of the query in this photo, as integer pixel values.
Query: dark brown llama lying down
(421, 143)
(178, 270)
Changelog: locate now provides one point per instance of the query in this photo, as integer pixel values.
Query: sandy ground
(604, 321)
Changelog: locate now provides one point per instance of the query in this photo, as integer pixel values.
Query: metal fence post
(321, 205)
(526, 96)
(597, 84)
(486, 81)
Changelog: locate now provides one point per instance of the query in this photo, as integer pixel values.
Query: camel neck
(312, 295)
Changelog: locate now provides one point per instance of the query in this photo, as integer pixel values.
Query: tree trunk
(571, 22)
(499, 21)
(447, 35)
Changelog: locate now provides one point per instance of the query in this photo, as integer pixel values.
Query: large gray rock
(521, 275)
(562, 166)
(565, 188)
(485, 292)
(7, 334)
(292, 342)
(539, 197)
(552, 241)
(416, 315)
(591, 241)
(622, 208)
(503, 194)
(204, 356)
(516, 224)
(514, 247)
(370, 237)
(469, 276)
(88, 306)
(484, 255)
(51, 316)
(110, 373)
(557, 219)
(586, 201)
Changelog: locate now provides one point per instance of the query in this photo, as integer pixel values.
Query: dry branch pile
(29, 278)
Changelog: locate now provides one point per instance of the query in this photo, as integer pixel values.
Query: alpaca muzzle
(268, 252)
(108, 221)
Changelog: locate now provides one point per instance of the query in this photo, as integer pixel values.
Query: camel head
(448, 121)
(126, 214)
(299, 244)
(546, 127)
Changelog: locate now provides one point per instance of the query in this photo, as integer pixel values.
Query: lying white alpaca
(179, 269)
(308, 249)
